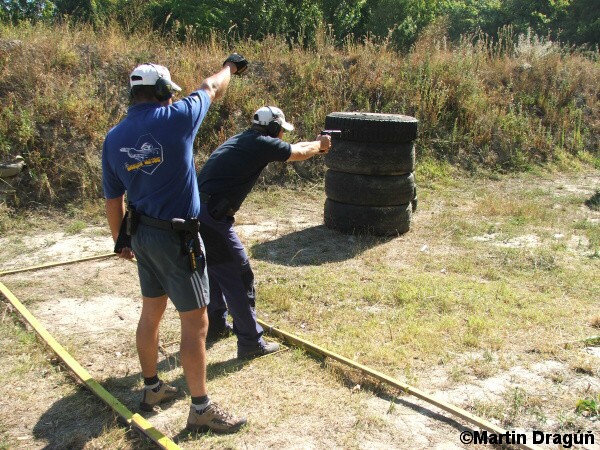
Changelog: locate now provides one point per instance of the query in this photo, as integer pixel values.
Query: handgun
(332, 133)
(124, 238)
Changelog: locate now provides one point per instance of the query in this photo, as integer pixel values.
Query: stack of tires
(370, 183)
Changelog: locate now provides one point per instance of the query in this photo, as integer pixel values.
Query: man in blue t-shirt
(224, 181)
(148, 156)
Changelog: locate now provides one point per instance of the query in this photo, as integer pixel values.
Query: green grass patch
(589, 406)
(76, 227)
(392, 318)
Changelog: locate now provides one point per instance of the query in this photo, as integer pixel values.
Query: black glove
(240, 63)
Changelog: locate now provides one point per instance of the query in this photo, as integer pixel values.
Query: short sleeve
(198, 103)
(275, 149)
(111, 184)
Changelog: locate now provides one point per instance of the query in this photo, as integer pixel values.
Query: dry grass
(480, 104)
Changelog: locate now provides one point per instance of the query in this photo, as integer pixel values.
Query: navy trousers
(231, 279)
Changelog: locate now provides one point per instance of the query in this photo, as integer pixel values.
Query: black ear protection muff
(274, 126)
(163, 90)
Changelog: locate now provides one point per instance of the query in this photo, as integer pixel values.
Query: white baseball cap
(263, 116)
(148, 74)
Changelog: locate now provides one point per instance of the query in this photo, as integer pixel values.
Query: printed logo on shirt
(147, 155)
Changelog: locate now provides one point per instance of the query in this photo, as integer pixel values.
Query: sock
(152, 383)
(200, 403)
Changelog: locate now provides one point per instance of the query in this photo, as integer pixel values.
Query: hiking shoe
(151, 398)
(213, 419)
(261, 348)
(215, 335)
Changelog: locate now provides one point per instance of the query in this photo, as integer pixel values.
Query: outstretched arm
(305, 150)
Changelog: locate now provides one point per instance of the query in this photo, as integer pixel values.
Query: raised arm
(216, 85)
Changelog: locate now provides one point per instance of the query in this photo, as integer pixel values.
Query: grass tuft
(589, 407)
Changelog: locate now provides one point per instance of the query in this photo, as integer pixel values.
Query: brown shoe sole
(206, 428)
(147, 407)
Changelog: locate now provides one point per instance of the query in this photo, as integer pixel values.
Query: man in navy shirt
(224, 181)
(149, 157)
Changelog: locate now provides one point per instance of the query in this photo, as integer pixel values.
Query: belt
(189, 232)
(174, 224)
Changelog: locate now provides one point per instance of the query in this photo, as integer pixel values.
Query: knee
(194, 323)
(153, 310)
(248, 281)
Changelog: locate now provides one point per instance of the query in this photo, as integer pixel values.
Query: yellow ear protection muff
(274, 126)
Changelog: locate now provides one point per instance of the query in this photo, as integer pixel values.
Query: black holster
(133, 219)
(197, 259)
(220, 209)
(190, 240)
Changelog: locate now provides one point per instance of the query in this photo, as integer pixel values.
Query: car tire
(371, 158)
(369, 190)
(374, 220)
(373, 127)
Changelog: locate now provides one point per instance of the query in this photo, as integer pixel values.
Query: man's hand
(325, 143)
(238, 61)
(126, 253)
(305, 150)
(216, 85)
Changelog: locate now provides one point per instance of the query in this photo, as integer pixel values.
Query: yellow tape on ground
(64, 263)
(132, 419)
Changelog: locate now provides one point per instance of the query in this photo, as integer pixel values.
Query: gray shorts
(164, 269)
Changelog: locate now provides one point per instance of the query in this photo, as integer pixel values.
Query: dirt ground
(277, 392)
(292, 400)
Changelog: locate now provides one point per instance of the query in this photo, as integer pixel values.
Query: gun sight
(333, 133)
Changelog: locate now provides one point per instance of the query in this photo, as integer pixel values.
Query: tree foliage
(14, 11)
(297, 20)
(348, 17)
(401, 21)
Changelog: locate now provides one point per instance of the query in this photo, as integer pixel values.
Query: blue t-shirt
(234, 167)
(149, 155)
